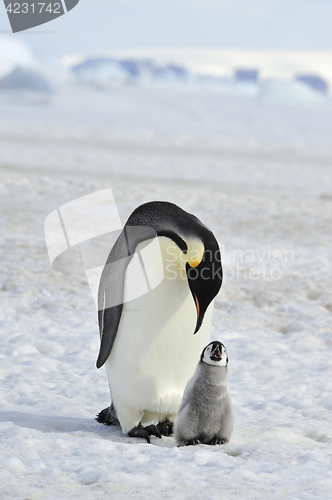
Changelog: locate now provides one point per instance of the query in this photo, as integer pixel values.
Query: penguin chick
(206, 413)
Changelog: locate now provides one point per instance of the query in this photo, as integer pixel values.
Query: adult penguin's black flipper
(111, 287)
(110, 297)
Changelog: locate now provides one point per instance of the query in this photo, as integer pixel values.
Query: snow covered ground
(260, 176)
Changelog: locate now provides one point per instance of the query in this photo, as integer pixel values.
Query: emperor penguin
(150, 342)
(206, 412)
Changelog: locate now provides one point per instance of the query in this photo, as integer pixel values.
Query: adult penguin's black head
(200, 249)
(205, 276)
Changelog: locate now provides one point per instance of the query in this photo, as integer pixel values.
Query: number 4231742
(32, 8)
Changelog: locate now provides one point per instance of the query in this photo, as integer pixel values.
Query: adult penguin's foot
(108, 416)
(165, 427)
(144, 432)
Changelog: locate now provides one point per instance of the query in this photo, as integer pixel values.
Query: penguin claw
(139, 431)
(144, 432)
(217, 441)
(108, 416)
(153, 430)
(190, 442)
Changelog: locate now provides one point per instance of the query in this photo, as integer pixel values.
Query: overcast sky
(107, 24)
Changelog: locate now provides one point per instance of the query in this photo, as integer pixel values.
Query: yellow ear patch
(194, 263)
(195, 252)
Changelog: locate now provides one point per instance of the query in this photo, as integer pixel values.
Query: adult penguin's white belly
(155, 352)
